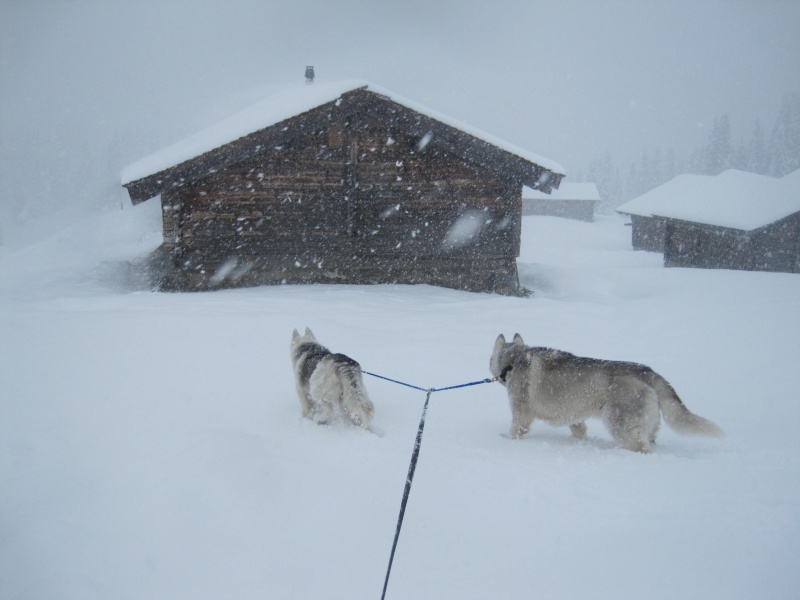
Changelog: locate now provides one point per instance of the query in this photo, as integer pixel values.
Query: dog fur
(328, 383)
(563, 389)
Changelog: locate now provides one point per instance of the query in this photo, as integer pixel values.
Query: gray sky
(88, 86)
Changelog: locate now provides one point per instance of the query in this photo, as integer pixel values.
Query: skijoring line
(422, 389)
(414, 456)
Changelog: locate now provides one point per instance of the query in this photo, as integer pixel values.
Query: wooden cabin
(341, 183)
(572, 200)
(647, 229)
(774, 247)
(647, 233)
(736, 220)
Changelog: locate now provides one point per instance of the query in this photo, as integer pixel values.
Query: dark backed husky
(563, 389)
(328, 382)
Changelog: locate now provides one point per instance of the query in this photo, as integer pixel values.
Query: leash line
(414, 458)
(416, 387)
(422, 389)
(453, 387)
(407, 490)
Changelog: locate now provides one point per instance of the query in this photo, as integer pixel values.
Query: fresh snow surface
(734, 199)
(286, 103)
(151, 444)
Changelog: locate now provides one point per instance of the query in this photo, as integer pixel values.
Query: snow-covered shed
(647, 229)
(735, 220)
(341, 183)
(572, 200)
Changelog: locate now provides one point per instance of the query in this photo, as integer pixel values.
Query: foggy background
(90, 86)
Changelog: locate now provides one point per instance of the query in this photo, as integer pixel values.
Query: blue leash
(414, 457)
(416, 387)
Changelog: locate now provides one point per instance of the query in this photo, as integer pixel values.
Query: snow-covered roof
(287, 103)
(733, 199)
(566, 191)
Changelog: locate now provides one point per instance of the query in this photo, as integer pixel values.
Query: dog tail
(677, 416)
(355, 400)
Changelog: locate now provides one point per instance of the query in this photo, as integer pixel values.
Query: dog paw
(579, 430)
(516, 434)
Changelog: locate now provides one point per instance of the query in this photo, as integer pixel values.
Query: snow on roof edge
(260, 115)
(733, 199)
(286, 104)
(548, 164)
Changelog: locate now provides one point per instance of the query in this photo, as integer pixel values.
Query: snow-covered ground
(151, 445)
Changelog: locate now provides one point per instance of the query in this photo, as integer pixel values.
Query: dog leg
(323, 411)
(638, 444)
(518, 432)
(520, 426)
(578, 430)
(632, 416)
(305, 405)
(521, 413)
(632, 438)
(357, 417)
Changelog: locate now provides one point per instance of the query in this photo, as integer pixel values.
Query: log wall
(772, 248)
(647, 233)
(357, 201)
(580, 210)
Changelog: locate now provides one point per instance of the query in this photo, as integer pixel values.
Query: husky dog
(327, 382)
(563, 389)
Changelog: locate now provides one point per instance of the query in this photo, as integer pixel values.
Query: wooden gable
(361, 189)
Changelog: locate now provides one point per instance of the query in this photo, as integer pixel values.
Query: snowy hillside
(151, 444)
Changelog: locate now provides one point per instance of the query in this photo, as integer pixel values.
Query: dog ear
(518, 340)
(310, 334)
(295, 335)
(499, 343)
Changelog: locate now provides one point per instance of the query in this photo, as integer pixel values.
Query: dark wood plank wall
(409, 200)
(280, 204)
(647, 233)
(690, 245)
(771, 248)
(580, 210)
(777, 246)
(354, 201)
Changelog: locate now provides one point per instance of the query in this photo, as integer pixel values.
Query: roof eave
(453, 140)
(214, 160)
(444, 136)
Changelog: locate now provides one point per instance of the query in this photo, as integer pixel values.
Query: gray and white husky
(563, 389)
(327, 382)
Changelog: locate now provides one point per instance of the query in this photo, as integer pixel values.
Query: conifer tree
(784, 147)
(605, 176)
(756, 155)
(718, 153)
